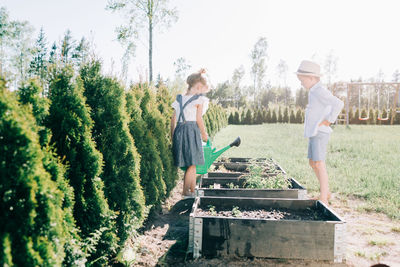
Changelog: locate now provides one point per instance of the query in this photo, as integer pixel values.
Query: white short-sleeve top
(190, 109)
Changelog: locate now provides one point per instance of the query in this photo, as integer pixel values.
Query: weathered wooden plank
(254, 193)
(271, 239)
(296, 191)
(225, 174)
(290, 239)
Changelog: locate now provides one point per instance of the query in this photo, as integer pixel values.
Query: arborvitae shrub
(231, 118)
(356, 119)
(285, 118)
(299, 118)
(292, 117)
(155, 123)
(151, 167)
(237, 118)
(30, 95)
(106, 98)
(259, 117)
(351, 115)
(269, 116)
(274, 119)
(71, 126)
(164, 100)
(280, 117)
(243, 116)
(31, 228)
(249, 118)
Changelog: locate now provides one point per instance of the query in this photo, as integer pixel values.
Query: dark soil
(270, 214)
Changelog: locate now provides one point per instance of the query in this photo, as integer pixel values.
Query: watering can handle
(208, 142)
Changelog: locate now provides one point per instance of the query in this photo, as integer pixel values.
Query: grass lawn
(363, 161)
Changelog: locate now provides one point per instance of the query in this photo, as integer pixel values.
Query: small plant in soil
(232, 186)
(212, 210)
(255, 179)
(236, 212)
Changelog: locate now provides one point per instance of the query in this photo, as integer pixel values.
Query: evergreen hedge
(71, 126)
(32, 231)
(30, 95)
(121, 170)
(151, 168)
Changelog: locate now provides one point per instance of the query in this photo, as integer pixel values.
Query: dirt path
(372, 238)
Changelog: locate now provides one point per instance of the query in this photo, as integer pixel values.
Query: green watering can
(210, 155)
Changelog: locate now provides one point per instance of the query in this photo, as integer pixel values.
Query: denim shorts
(317, 146)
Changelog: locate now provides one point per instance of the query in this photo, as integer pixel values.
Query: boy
(322, 110)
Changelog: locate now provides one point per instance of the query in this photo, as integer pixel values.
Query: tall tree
(38, 65)
(330, 67)
(282, 69)
(5, 32)
(258, 57)
(21, 49)
(237, 78)
(80, 53)
(139, 15)
(67, 47)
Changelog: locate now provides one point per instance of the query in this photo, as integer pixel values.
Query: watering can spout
(216, 154)
(236, 142)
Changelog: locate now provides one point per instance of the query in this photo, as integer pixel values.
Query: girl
(187, 129)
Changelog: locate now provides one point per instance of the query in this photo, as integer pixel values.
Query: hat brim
(308, 74)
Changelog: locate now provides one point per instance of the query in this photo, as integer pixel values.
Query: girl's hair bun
(202, 71)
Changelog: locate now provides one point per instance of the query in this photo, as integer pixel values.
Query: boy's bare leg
(190, 178)
(319, 168)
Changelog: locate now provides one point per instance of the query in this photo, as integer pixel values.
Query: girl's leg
(189, 181)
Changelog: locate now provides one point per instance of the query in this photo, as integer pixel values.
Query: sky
(220, 34)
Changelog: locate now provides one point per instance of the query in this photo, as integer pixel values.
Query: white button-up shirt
(322, 105)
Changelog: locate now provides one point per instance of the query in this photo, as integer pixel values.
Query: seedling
(212, 210)
(236, 212)
(232, 186)
(256, 180)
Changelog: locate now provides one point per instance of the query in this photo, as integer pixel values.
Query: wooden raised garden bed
(266, 228)
(235, 187)
(249, 183)
(239, 166)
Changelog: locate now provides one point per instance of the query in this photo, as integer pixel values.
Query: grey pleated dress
(186, 143)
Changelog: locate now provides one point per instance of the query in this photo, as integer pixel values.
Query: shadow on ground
(178, 220)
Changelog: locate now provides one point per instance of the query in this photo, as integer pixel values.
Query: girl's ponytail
(196, 77)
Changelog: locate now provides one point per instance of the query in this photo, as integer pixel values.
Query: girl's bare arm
(173, 124)
(200, 123)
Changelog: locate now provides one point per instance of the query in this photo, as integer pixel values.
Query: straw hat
(309, 68)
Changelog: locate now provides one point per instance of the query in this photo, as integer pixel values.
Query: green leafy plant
(257, 179)
(211, 186)
(212, 210)
(236, 212)
(232, 186)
